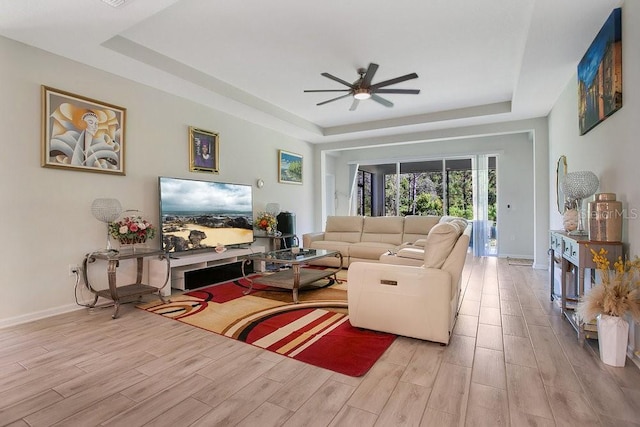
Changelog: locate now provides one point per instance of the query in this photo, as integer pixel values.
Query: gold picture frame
(203, 151)
(82, 134)
(289, 167)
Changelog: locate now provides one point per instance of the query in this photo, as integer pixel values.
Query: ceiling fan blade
(354, 105)
(339, 80)
(405, 91)
(381, 100)
(366, 81)
(394, 81)
(329, 90)
(333, 99)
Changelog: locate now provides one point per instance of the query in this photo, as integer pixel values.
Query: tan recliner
(414, 301)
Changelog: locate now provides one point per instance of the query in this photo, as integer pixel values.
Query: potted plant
(615, 296)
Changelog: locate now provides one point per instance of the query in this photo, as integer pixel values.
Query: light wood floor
(512, 361)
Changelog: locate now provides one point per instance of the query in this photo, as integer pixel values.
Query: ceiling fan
(362, 88)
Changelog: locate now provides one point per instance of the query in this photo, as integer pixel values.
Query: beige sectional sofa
(367, 238)
(404, 272)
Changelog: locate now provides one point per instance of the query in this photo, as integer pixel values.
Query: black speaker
(287, 225)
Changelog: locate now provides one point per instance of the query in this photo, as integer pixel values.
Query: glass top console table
(296, 277)
(124, 293)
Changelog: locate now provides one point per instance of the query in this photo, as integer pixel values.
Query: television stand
(185, 262)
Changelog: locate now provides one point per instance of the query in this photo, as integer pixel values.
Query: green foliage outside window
(422, 194)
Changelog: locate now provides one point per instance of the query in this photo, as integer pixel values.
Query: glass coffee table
(294, 278)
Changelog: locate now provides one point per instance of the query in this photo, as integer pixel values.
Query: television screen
(197, 214)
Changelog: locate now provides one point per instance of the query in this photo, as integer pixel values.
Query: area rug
(315, 331)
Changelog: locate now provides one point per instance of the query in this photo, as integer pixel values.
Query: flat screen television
(197, 214)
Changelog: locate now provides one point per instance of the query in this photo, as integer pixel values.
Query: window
(365, 195)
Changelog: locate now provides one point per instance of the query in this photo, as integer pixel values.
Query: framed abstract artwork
(203, 151)
(82, 134)
(289, 167)
(600, 75)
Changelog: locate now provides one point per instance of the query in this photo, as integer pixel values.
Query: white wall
(611, 150)
(46, 212)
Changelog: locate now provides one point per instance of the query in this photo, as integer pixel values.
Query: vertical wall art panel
(600, 75)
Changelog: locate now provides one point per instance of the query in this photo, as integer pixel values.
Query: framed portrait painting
(289, 167)
(80, 133)
(203, 151)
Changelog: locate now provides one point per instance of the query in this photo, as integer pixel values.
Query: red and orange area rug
(315, 331)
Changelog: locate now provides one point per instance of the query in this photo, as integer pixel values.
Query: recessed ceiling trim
(161, 62)
(440, 116)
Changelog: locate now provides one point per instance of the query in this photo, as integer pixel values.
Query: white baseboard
(634, 355)
(515, 256)
(17, 320)
(541, 266)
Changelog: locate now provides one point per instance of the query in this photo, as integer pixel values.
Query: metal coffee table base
(294, 278)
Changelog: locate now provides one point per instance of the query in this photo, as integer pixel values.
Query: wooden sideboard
(573, 254)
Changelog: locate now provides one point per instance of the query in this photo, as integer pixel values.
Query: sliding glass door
(463, 187)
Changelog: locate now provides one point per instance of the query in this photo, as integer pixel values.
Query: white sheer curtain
(481, 224)
(353, 186)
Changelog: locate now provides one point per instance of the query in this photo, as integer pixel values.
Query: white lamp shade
(106, 210)
(273, 208)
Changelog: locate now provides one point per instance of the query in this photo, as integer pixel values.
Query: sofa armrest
(311, 237)
(418, 244)
(411, 252)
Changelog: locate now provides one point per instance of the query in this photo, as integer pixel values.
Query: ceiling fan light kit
(361, 94)
(362, 88)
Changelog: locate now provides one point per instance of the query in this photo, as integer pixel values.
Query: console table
(279, 241)
(125, 293)
(574, 253)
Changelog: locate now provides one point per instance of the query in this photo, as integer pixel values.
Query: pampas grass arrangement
(618, 292)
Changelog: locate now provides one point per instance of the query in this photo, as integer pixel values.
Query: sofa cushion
(369, 250)
(417, 227)
(383, 229)
(332, 245)
(343, 229)
(387, 258)
(440, 241)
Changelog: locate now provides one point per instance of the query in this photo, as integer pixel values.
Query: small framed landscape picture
(81, 134)
(289, 167)
(203, 151)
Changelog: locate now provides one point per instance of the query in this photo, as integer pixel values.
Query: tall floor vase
(613, 335)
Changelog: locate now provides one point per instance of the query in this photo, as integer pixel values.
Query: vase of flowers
(616, 296)
(267, 222)
(131, 229)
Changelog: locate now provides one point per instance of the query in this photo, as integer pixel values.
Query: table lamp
(577, 186)
(106, 210)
